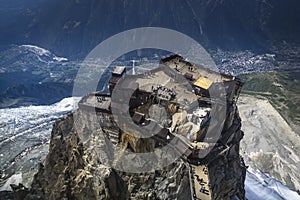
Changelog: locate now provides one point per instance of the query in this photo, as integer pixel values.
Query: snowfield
(37, 50)
(260, 186)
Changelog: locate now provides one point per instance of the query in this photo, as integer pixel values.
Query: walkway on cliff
(199, 182)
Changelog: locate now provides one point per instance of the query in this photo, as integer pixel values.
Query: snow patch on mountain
(60, 59)
(38, 50)
(14, 179)
(42, 53)
(259, 186)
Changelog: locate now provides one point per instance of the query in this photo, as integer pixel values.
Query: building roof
(138, 117)
(119, 70)
(164, 132)
(98, 101)
(172, 57)
(188, 76)
(203, 82)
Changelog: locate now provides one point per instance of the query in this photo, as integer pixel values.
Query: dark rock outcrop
(74, 171)
(71, 172)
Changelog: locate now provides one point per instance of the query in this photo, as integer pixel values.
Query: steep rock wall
(73, 167)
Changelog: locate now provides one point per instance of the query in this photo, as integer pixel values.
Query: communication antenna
(133, 66)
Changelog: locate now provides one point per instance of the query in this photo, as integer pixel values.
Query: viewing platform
(199, 182)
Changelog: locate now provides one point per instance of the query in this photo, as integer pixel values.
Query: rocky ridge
(73, 171)
(87, 147)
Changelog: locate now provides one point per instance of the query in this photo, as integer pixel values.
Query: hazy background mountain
(73, 27)
(237, 33)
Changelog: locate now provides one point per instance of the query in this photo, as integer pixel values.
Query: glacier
(25, 134)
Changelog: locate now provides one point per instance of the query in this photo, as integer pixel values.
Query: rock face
(227, 171)
(92, 155)
(73, 171)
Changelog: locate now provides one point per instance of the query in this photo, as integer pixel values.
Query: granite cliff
(74, 172)
(76, 166)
